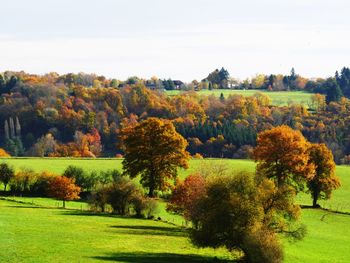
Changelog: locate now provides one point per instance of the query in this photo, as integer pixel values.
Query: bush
(41, 184)
(23, 181)
(120, 195)
(99, 199)
(145, 206)
(82, 179)
(151, 207)
(262, 246)
(244, 212)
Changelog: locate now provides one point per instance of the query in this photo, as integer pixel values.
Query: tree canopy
(154, 150)
(325, 180)
(282, 154)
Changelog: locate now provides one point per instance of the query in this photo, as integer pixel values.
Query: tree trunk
(151, 186)
(64, 204)
(151, 191)
(314, 199)
(5, 187)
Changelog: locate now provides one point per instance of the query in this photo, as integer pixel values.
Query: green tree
(334, 92)
(6, 174)
(245, 213)
(154, 150)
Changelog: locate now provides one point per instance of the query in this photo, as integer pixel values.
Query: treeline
(81, 115)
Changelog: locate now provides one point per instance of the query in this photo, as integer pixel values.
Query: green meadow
(278, 98)
(36, 230)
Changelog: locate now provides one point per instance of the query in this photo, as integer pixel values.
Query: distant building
(179, 84)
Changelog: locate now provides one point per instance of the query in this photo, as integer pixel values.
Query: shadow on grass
(29, 206)
(151, 230)
(76, 212)
(142, 257)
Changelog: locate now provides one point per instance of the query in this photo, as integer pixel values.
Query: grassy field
(340, 200)
(278, 97)
(38, 234)
(45, 233)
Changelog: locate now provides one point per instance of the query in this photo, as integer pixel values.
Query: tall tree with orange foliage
(63, 188)
(154, 150)
(325, 180)
(282, 155)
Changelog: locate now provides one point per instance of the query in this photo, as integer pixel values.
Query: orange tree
(282, 155)
(63, 188)
(325, 180)
(185, 194)
(154, 150)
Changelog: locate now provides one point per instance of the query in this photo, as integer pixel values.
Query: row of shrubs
(106, 191)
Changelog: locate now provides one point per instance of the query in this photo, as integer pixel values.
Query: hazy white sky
(182, 39)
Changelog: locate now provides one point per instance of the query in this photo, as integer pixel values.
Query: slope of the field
(31, 234)
(39, 234)
(278, 98)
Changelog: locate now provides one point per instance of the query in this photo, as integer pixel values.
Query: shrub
(99, 199)
(3, 153)
(151, 207)
(262, 246)
(185, 194)
(82, 179)
(23, 181)
(244, 212)
(120, 195)
(41, 184)
(145, 206)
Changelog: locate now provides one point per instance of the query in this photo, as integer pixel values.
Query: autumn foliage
(325, 180)
(64, 189)
(185, 195)
(282, 154)
(3, 153)
(154, 150)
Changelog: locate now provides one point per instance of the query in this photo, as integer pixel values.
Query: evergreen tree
(334, 92)
(7, 131)
(18, 128)
(12, 129)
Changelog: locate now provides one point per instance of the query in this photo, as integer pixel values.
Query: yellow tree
(325, 180)
(282, 155)
(154, 150)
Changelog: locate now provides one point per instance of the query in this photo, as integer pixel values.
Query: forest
(81, 115)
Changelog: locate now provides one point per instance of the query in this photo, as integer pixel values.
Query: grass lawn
(39, 234)
(45, 233)
(278, 98)
(340, 200)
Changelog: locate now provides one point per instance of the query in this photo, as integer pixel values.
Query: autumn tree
(244, 212)
(6, 174)
(3, 153)
(154, 150)
(64, 189)
(282, 155)
(185, 194)
(325, 180)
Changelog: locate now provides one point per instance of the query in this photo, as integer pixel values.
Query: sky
(182, 39)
